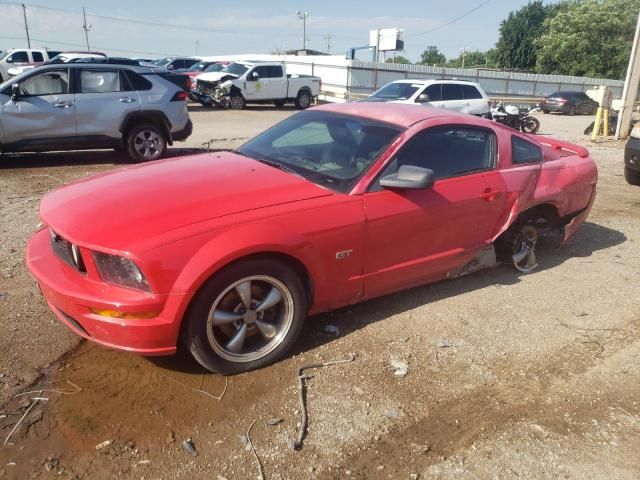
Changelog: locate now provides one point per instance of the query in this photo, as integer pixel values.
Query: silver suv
(87, 106)
(457, 95)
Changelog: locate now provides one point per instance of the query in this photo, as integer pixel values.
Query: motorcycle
(510, 116)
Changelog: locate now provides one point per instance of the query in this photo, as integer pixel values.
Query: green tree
(398, 59)
(516, 46)
(471, 59)
(588, 38)
(432, 56)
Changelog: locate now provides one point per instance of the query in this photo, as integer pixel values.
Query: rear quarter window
(138, 82)
(523, 152)
(452, 91)
(470, 92)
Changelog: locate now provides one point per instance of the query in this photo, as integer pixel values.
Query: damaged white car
(240, 83)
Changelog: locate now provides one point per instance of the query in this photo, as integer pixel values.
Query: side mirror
(9, 59)
(423, 98)
(15, 91)
(253, 76)
(409, 177)
(171, 67)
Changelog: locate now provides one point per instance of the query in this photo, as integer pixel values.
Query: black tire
(530, 125)
(279, 103)
(631, 176)
(237, 101)
(206, 343)
(545, 111)
(119, 148)
(572, 110)
(155, 146)
(303, 100)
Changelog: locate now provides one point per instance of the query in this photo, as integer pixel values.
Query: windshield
(329, 149)
(397, 91)
(236, 68)
(59, 59)
(214, 67)
(197, 67)
(3, 55)
(162, 62)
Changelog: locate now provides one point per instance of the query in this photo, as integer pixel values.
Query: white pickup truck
(19, 59)
(240, 83)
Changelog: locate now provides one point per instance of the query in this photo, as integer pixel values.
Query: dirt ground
(509, 375)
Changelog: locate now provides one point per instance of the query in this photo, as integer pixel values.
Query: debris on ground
(274, 421)
(332, 329)
(400, 368)
(51, 464)
(443, 342)
(189, 447)
(171, 437)
(104, 444)
(297, 443)
(261, 475)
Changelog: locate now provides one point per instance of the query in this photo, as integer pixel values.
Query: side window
(434, 91)
(262, 71)
(452, 91)
(51, 82)
(99, 81)
(449, 151)
(189, 63)
(37, 57)
(470, 92)
(524, 152)
(19, 56)
(138, 82)
(275, 71)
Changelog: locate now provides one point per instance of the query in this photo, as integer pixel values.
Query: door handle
(127, 100)
(62, 105)
(489, 194)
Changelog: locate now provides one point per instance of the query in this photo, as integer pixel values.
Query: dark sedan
(632, 157)
(569, 103)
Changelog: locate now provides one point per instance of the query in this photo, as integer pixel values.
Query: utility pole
(328, 39)
(86, 27)
(464, 54)
(26, 25)
(303, 16)
(630, 90)
(197, 44)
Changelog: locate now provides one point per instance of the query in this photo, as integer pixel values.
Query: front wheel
(572, 110)
(145, 142)
(529, 125)
(236, 101)
(631, 176)
(246, 316)
(303, 100)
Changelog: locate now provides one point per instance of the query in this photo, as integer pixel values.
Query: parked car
(177, 64)
(569, 103)
(200, 68)
(75, 106)
(19, 58)
(632, 157)
(455, 95)
(330, 207)
(240, 83)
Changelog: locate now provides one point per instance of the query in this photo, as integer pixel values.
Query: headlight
(121, 271)
(635, 131)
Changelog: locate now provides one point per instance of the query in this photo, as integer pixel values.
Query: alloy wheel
(148, 144)
(250, 318)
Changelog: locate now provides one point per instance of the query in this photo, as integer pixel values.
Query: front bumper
(71, 294)
(632, 154)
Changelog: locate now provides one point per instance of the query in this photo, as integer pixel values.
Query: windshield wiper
(277, 165)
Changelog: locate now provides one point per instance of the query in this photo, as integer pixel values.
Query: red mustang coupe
(229, 252)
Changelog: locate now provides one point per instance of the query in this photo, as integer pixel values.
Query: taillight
(180, 96)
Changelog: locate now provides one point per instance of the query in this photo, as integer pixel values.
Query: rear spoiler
(562, 145)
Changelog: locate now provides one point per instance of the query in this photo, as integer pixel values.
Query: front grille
(67, 252)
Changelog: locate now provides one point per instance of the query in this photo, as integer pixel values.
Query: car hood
(134, 206)
(214, 76)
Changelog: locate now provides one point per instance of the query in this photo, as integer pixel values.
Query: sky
(206, 27)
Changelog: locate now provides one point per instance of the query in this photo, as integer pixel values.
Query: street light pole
(303, 16)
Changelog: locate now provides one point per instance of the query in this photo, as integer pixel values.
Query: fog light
(124, 315)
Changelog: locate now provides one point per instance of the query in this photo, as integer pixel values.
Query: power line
(67, 44)
(478, 7)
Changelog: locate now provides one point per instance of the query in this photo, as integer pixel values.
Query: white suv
(457, 95)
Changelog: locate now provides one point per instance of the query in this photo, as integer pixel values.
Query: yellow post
(605, 129)
(596, 125)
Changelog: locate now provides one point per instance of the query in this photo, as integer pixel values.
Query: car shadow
(250, 108)
(84, 157)
(590, 238)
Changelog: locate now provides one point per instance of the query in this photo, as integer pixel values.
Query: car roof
(99, 66)
(399, 114)
(425, 81)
